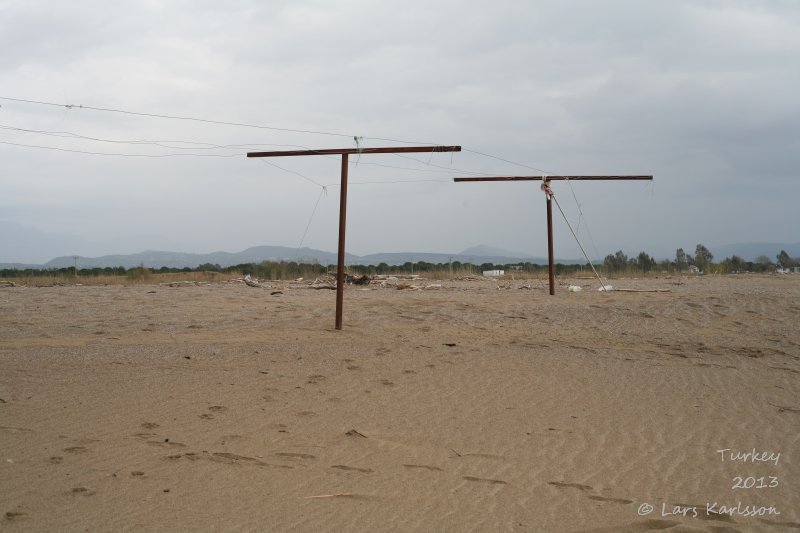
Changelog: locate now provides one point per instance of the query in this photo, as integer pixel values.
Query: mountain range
(23, 241)
(475, 255)
(257, 254)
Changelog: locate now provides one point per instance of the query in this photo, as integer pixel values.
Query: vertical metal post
(340, 260)
(546, 188)
(552, 267)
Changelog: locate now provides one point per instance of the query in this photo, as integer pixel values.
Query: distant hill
(157, 259)
(475, 255)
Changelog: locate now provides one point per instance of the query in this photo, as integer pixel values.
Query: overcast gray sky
(701, 94)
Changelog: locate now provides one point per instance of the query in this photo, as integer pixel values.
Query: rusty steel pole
(548, 192)
(344, 152)
(340, 277)
(550, 259)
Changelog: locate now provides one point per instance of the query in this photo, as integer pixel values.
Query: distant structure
(345, 153)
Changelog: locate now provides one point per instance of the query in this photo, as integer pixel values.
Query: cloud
(701, 94)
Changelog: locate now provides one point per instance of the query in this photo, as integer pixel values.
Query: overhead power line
(208, 146)
(257, 126)
(176, 117)
(508, 161)
(161, 143)
(200, 145)
(115, 154)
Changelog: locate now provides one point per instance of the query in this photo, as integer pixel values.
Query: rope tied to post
(545, 186)
(357, 140)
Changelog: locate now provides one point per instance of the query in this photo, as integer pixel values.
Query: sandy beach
(474, 406)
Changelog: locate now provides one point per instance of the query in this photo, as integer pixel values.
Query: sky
(700, 94)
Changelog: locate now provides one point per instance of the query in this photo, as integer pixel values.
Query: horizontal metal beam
(340, 151)
(555, 178)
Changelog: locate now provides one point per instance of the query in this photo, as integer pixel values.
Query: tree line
(702, 261)
(618, 263)
(289, 269)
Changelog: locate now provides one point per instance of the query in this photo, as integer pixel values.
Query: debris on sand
(251, 282)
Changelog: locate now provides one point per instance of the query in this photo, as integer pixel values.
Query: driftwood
(7, 284)
(641, 290)
(385, 277)
(184, 283)
(250, 282)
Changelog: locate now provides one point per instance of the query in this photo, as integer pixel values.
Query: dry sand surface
(225, 407)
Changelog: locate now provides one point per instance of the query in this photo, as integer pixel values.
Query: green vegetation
(613, 264)
(703, 261)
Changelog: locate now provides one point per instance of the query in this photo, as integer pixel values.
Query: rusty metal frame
(545, 179)
(345, 152)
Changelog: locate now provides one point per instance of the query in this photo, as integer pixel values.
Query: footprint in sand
(425, 467)
(227, 458)
(225, 439)
(14, 515)
(293, 455)
(234, 457)
(344, 495)
(482, 455)
(353, 469)
(166, 443)
(218, 408)
(485, 480)
(755, 353)
(585, 488)
(82, 491)
(651, 524)
(150, 425)
(75, 449)
(606, 499)
(569, 485)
